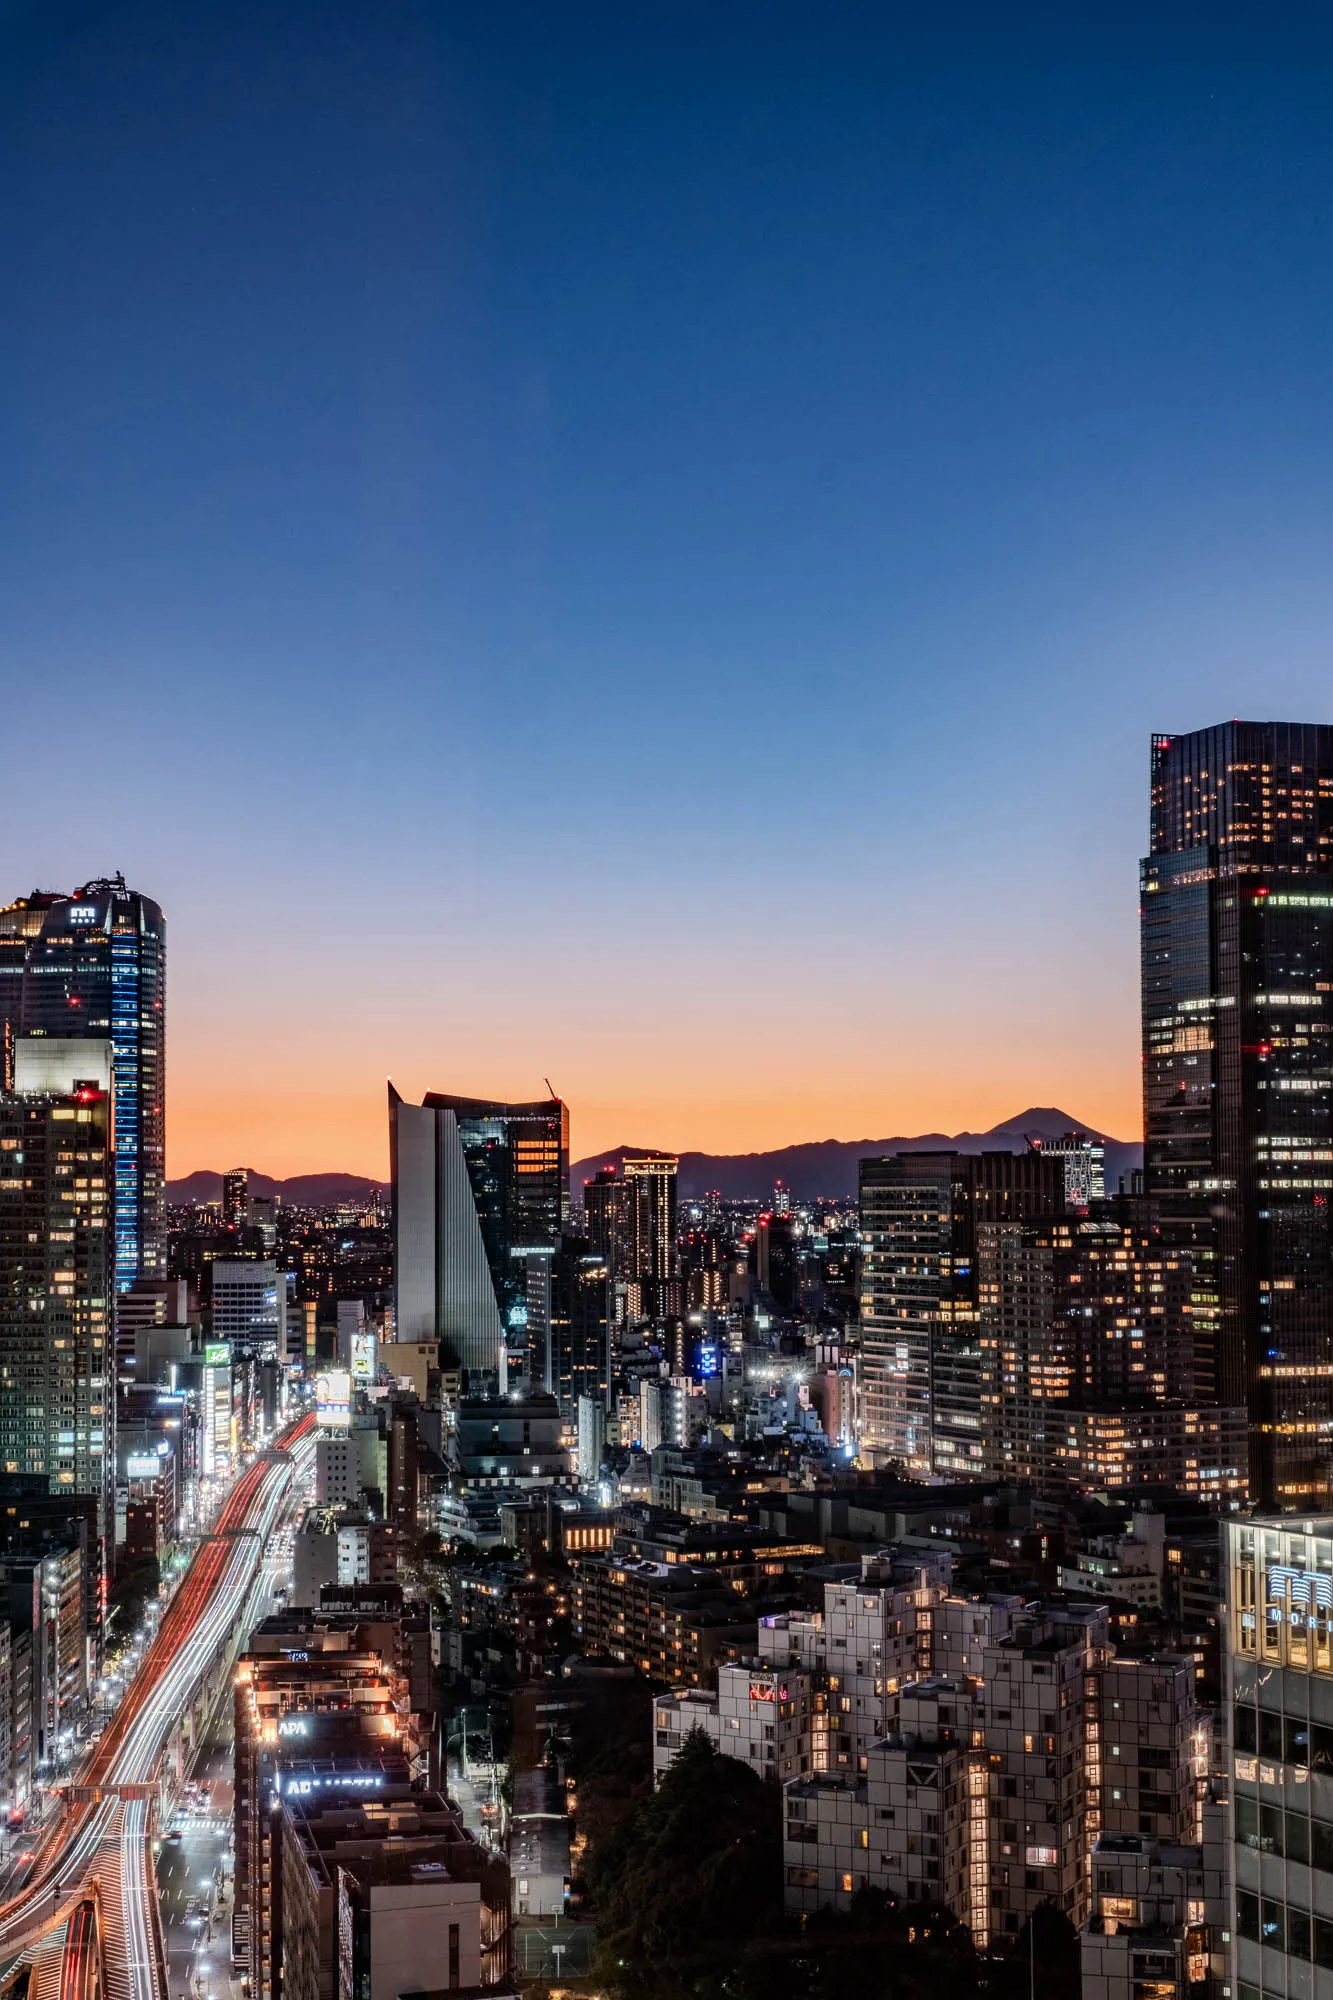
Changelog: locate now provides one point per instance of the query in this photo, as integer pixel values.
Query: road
(102, 1844)
(195, 1920)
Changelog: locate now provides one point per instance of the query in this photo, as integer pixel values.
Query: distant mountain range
(818, 1167)
(301, 1191)
(828, 1166)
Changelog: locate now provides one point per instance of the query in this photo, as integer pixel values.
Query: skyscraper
(249, 1308)
(57, 1398)
(578, 1345)
(236, 1197)
(606, 1218)
(480, 1189)
(20, 923)
(921, 1334)
(1237, 967)
(650, 1183)
(97, 970)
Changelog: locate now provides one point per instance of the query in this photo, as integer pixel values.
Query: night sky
(643, 545)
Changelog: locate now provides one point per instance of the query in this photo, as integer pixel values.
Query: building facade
(1237, 969)
(57, 1396)
(1280, 1690)
(921, 1335)
(480, 1190)
(97, 971)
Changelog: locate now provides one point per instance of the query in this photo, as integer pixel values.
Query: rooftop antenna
(550, 1086)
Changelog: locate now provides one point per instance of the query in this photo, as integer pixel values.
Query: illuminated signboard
(333, 1398)
(142, 1465)
(758, 1692)
(217, 1355)
(1299, 1586)
(363, 1357)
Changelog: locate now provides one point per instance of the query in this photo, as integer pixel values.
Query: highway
(98, 1855)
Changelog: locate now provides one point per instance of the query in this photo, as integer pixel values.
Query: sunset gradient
(644, 546)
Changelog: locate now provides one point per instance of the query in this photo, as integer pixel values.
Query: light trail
(192, 1636)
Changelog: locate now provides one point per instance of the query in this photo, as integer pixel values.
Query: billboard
(333, 1399)
(142, 1465)
(363, 1357)
(217, 1354)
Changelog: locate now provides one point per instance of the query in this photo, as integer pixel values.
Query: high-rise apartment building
(57, 1398)
(1087, 1359)
(97, 971)
(1237, 963)
(921, 1333)
(480, 1189)
(650, 1183)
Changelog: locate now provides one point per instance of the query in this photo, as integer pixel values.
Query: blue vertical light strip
(125, 1091)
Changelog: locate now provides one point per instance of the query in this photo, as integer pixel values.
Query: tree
(687, 1877)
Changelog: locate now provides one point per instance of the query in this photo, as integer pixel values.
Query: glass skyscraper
(97, 970)
(1237, 970)
(480, 1197)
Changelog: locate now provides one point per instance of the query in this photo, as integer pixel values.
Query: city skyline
(795, 473)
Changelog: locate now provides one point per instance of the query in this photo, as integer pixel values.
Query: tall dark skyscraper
(480, 1193)
(578, 1347)
(97, 970)
(20, 924)
(1237, 966)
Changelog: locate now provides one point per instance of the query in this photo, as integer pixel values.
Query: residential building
(650, 1195)
(1087, 1358)
(762, 1716)
(1160, 1915)
(921, 1336)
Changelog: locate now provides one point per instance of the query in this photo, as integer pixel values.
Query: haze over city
(645, 547)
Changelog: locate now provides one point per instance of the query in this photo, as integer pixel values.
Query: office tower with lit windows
(578, 1346)
(236, 1197)
(650, 1184)
(97, 971)
(57, 1398)
(480, 1193)
(249, 1308)
(20, 923)
(606, 1218)
(1087, 1360)
(1085, 1166)
(921, 1333)
(1237, 969)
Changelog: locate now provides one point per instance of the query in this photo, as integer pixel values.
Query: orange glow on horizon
(292, 1130)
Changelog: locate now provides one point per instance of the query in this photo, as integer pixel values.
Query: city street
(189, 1873)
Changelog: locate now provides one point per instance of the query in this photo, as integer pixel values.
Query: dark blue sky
(644, 544)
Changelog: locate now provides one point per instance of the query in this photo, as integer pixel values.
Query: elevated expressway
(86, 1919)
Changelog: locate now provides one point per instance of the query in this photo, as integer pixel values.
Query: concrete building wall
(424, 1936)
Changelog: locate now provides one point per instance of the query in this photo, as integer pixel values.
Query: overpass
(88, 1913)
